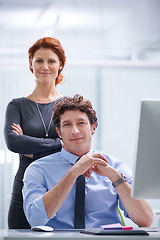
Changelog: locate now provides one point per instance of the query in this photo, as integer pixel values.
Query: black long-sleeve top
(33, 140)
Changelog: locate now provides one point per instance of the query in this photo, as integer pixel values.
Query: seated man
(50, 182)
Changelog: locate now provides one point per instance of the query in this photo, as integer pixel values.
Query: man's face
(76, 132)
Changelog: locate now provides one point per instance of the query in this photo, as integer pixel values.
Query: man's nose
(75, 129)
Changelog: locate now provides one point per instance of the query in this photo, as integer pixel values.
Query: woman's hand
(28, 155)
(16, 128)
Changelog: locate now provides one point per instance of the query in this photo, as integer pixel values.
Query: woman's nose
(45, 66)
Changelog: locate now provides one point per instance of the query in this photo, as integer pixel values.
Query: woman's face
(45, 65)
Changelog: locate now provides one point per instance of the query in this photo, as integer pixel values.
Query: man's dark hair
(72, 104)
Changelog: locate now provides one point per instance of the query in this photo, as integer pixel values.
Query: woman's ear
(30, 65)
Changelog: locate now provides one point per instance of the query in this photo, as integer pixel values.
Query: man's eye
(81, 123)
(66, 124)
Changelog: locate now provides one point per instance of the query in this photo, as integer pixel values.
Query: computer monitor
(146, 168)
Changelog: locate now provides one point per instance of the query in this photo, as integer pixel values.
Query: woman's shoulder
(20, 100)
(18, 103)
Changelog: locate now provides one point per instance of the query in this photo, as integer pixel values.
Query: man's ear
(93, 128)
(58, 132)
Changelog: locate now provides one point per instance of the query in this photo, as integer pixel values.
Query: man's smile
(76, 138)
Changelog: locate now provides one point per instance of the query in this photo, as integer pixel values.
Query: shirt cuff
(38, 215)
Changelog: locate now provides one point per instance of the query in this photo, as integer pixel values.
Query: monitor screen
(146, 168)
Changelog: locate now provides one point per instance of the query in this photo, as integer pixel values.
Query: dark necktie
(79, 213)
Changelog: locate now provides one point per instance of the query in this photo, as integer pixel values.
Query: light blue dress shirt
(101, 198)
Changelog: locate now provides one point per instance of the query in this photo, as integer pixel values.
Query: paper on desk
(115, 226)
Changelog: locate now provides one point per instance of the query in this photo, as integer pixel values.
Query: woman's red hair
(55, 46)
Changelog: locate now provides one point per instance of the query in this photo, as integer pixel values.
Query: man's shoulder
(111, 159)
(47, 160)
(115, 162)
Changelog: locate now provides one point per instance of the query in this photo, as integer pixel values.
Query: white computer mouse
(42, 228)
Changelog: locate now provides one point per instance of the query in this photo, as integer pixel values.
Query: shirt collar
(69, 156)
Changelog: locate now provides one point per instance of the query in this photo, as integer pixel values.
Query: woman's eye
(51, 61)
(39, 61)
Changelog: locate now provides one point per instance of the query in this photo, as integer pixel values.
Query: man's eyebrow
(79, 119)
(65, 121)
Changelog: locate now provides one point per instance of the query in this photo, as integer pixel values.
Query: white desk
(63, 235)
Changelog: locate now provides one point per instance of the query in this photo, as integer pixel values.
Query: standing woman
(29, 129)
